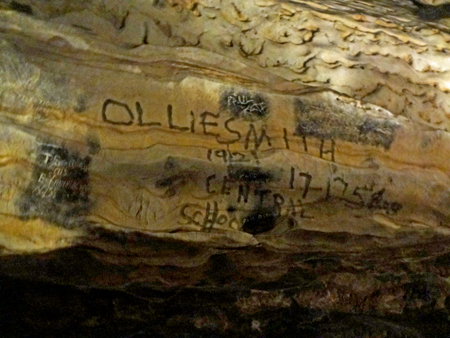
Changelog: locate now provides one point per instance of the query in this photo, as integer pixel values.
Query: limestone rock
(267, 145)
(207, 144)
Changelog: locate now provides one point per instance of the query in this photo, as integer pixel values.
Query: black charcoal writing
(366, 198)
(208, 216)
(251, 183)
(231, 131)
(117, 113)
(170, 120)
(252, 136)
(120, 114)
(140, 113)
(226, 156)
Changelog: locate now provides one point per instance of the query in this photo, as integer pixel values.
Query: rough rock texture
(218, 168)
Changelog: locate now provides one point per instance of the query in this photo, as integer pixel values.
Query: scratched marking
(60, 187)
(245, 105)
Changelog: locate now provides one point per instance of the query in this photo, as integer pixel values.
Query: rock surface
(216, 167)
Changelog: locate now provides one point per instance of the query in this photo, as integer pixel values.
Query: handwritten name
(225, 131)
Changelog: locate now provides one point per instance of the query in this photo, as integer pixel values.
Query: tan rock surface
(233, 125)
(239, 168)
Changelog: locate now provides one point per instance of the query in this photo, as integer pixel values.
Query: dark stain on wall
(327, 123)
(159, 3)
(172, 183)
(81, 104)
(60, 187)
(431, 13)
(250, 175)
(22, 8)
(262, 219)
(94, 145)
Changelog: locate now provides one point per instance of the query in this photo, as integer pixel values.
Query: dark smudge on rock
(250, 174)
(60, 187)
(261, 220)
(328, 123)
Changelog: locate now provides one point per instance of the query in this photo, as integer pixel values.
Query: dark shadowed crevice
(22, 8)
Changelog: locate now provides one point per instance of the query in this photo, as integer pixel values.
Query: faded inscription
(244, 196)
(247, 188)
(245, 105)
(60, 187)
